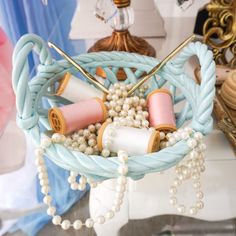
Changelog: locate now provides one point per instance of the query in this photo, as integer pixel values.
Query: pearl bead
(197, 184)
(105, 153)
(177, 182)
(199, 204)
(51, 210)
(109, 215)
(82, 180)
(82, 147)
(114, 97)
(162, 135)
(81, 187)
(118, 201)
(193, 154)
(44, 182)
(81, 140)
(56, 220)
(119, 195)
(121, 180)
(100, 220)
(198, 136)
(65, 224)
(181, 209)
(91, 128)
(118, 92)
(192, 143)
(98, 126)
(74, 186)
(56, 138)
(46, 142)
(89, 223)
(172, 141)
(86, 133)
(199, 194)
(123, 113)
(47, 199)
(145, 123)
(173, 200)
(118, 108)
(188, 130)
(74, 173)
(39, 161)
(173, 190)
(115, 208)
(184, 135)
(122, 170)
(202, 146)
(193, 210)
(71, 179)
(45, 189)
(137, 123)
(77, 224)
(38, 152)
(120, 188)
(89, 151)
(123, 157)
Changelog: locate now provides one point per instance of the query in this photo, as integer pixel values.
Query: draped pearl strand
(189, 169)
(45, 186)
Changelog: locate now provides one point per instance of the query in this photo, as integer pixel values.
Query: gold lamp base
(124, 41)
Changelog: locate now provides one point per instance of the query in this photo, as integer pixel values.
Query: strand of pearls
(45, 187)
(129, 111)
(81, 185)
(189, 169)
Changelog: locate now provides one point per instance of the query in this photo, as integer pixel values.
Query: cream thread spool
(77, 116)
(75, 90)
(161, 111)
(133, 140)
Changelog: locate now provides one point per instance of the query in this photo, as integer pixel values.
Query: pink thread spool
(77, 116)
(161, 111)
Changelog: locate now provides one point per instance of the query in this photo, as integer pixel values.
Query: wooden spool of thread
(161, 111)
(75, 90)
(77, 116)
(143, 140)
(228, 90)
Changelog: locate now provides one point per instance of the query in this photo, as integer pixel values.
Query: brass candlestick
(122, 40)
(220, 31)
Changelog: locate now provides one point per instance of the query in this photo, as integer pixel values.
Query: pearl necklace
(190, 168)
(45, 187)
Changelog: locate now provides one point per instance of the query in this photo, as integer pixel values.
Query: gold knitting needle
(155, 69)
(79, 68)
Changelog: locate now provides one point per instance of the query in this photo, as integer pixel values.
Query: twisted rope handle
(26, 93)
(202, 120)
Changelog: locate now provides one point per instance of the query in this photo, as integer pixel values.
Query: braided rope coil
(33, 119)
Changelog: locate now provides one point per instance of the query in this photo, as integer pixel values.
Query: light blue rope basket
(32, 117)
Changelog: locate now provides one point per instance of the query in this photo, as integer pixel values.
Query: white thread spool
(75, 90)
(134, 141)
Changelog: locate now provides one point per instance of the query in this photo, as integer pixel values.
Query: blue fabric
(63, 199)
(51, 22)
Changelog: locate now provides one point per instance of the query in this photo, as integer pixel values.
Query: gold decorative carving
(220, 31)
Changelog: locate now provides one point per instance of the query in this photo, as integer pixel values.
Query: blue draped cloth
(63, 199)
(52, 23)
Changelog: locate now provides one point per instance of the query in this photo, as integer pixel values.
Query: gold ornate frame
(220, 31)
